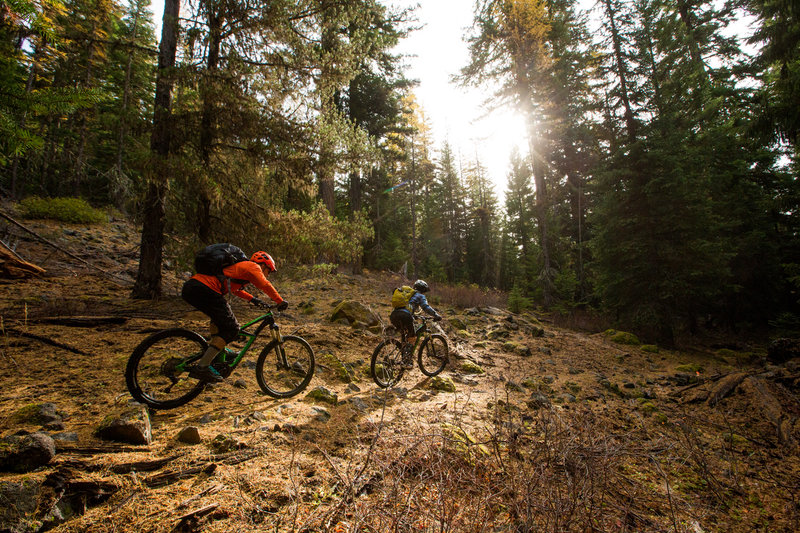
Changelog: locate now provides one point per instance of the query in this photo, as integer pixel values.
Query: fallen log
(12, 266)
(166, 478)
(94, 450)
(142, 466)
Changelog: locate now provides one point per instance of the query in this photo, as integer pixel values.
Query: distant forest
(659, 183)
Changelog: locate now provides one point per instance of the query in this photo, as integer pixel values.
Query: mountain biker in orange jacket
(206, 293)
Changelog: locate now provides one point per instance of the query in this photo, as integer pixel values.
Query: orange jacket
(240, 274)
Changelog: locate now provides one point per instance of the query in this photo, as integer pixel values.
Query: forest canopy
(658, 183)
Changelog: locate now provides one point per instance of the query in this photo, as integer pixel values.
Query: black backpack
(213, 258)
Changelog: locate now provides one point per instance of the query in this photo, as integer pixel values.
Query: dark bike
(432, 355)
(157, 372)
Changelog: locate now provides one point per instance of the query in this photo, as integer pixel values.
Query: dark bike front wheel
(156, 374)
(386, 363)
(284, 369)
(433, 355)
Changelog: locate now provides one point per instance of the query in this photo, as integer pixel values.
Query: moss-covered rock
(457, 323)
(340, 370)
(691, 368)
(442, 384)
(622, 337)
(321, 394)
(468, 367)
(650, 348)
(354, 312)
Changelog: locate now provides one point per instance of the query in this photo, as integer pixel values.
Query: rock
(205, 419)
(622, 337)
(354, 312)
(457, 323)
(497, 332)
(18, 503)
(240, 384)
(465, 380)
(223, 443)
(352, 387)
(538, 400)
(514, 387)
(468, 367)
(359, 405)
(782, 350)
(321, 414)
(189, 435)
(323, 395)
(132, 426)
(38, 413)
(493, 311)
(67, 436)
(442, 384)
(23, 453)
(400, 392)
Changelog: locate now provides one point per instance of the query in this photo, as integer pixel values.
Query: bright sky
(456, 114)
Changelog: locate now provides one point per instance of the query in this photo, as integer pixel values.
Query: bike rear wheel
(284, 370)
(156, 373)
(386, 363)
(433, 355)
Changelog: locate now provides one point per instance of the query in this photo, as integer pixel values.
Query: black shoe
(205, 373)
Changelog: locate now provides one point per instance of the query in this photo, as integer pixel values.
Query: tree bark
(148, 279)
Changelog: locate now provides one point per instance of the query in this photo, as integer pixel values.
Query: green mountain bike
(432, 355)
(157, 372)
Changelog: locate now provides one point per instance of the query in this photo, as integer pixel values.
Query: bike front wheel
(433, 355)
(386, 363)
(156, 374)
(284, 369)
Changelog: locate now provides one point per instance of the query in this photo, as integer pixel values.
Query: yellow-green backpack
(402, 295)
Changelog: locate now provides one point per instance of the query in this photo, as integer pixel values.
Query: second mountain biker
(406, 302)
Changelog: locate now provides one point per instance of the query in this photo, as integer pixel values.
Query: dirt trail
(551, 414)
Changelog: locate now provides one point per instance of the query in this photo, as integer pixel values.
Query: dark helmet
(421, 286)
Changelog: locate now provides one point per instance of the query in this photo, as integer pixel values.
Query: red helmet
(265, 259)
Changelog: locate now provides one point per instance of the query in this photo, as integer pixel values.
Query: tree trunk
(630, 123)
(148, 279)
(208, 120)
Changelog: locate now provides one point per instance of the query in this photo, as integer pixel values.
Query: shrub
(76, 210)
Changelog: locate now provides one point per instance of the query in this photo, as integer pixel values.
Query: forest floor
(578, 434)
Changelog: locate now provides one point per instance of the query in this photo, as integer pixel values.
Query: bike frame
(266, 320)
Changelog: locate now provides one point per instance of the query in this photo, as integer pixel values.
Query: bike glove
(283, 305)
(258, 302)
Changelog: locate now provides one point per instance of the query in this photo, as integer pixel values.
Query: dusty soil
(581, 434)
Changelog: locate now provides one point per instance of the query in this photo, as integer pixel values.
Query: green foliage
(517, 302)
(75, 210)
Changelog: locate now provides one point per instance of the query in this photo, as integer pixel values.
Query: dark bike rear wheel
(284, 370)
(433, 355)
(386, 363)
(156, 373)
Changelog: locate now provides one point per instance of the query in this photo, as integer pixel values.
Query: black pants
(402, 320)
(212, 303)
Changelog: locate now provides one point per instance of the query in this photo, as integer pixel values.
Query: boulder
(354, 312)
(189, 435)
(26, 452)
(131, 426)
(458, 323)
